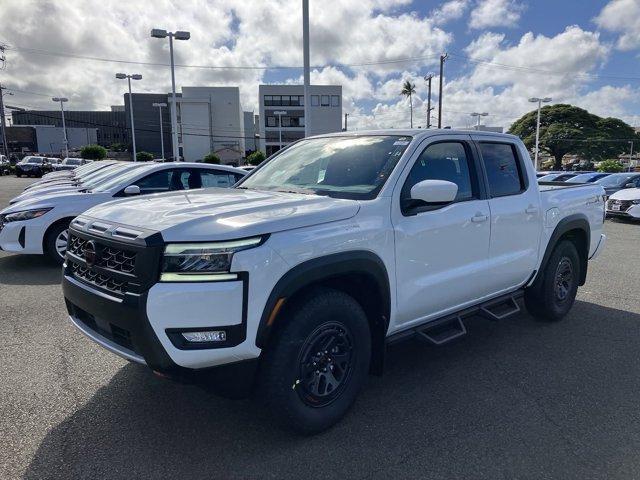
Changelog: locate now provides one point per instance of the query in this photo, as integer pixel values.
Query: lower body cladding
(148, 328)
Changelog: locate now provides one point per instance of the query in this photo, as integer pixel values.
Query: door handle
(477, 218)
(531, 210)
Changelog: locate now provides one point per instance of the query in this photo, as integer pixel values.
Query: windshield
(585, 177)
(32, 160)
(72, 161)
(341, 167)
(122, 176)
(549, 178)
(616, 180)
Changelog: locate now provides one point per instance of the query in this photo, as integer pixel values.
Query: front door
(441, 252)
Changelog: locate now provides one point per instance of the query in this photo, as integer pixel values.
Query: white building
(325, 112)
(210, 119)
(50, 139)
(251, 128)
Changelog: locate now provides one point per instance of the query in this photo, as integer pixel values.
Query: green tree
(408, 89)
(144, 156)
(93, 152)
(211, 158)
(610, 166)
(567, 129)
(256, 158)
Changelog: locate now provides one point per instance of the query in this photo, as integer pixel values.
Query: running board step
(501, 308)
(443, 331)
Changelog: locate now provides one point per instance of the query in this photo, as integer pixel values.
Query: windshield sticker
(401, 142)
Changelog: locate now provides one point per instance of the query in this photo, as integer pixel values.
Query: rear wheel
(55, 243)
(554, 297)
(317, 363)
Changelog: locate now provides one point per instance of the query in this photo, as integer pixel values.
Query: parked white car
(69, 163)
(84, 183)
(39, 225)
(292, 283)
(624, 203)
(88, 167)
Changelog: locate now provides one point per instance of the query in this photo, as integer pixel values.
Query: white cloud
(448, 11)
(622, 17)
(485, 46)
(496, 13)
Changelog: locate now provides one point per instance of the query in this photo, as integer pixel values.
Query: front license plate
(615, 208)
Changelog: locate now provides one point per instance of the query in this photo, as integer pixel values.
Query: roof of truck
(417, 133)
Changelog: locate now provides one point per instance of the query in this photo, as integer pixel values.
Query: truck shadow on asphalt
(512, 398)
(28, 270)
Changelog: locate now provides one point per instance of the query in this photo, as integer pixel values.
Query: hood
(44, 191)
(77, 199)
(224, 213)
(626, 194)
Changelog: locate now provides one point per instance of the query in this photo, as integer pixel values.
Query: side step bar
(450, 327)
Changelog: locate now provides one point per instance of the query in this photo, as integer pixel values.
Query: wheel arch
(361, 274)
(575, 228)
(50, 228)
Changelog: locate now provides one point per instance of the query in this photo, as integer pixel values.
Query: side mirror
(434, 191)
(630, 185)
(132, 190)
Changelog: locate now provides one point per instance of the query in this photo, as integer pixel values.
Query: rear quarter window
(504, 171)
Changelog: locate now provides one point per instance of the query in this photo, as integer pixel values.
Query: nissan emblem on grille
(89, 253)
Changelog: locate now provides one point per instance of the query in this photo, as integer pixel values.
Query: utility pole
(2, 122)
(428, 79)
(443, 57)
(630, 154)
(62, 101)
(345, 121)
(307, 68)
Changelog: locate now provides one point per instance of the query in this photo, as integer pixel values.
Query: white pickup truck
(290, 285)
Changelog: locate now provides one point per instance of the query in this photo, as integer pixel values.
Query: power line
(218, 67)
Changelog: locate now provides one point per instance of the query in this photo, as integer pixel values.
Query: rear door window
(504, 172)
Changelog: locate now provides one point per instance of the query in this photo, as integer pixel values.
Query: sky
(501, 52)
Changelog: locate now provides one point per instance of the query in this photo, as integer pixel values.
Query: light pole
(630, 153)
(475, 114)
(2, 122)
(539, 101)
(62, 101)
(135, 76)
(307, 68)
(179, 35)
(279, 113)
(160, 105)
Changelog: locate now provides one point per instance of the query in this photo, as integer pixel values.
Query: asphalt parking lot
(513, 399)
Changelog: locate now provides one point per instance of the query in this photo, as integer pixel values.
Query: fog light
(210, 336)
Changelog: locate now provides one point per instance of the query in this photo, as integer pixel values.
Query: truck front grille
(94, 278)
(111, 258)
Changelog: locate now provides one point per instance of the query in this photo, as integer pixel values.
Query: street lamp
(179, 35)
(62, 100)
(160, 105)
(630, 142)
(279, 113)
(135, 76)
(539, 101)
(475, 114)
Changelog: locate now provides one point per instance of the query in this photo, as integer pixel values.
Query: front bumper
(23, 237)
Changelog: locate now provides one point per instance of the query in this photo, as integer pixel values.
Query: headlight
(202, 262)
(25, 215)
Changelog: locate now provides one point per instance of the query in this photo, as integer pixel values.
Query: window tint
(217, 179)
(503, 169)
(441, 161)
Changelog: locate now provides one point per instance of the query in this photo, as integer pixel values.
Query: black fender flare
(322, 269)
(577, 221)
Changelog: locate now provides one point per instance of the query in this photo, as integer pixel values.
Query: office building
(210, 119)
(110, 125)
(48, 138)
(281, 115)
(146, 120)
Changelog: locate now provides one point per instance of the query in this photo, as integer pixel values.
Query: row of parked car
(622, 189)
(51, 203)
(37, 166)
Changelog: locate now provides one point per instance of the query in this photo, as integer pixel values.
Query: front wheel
(318, 361)
(553, 298)
(55, 243)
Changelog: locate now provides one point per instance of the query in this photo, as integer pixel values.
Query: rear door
(514, 201)
(441, 251)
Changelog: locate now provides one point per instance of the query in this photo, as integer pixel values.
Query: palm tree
(408, 89)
